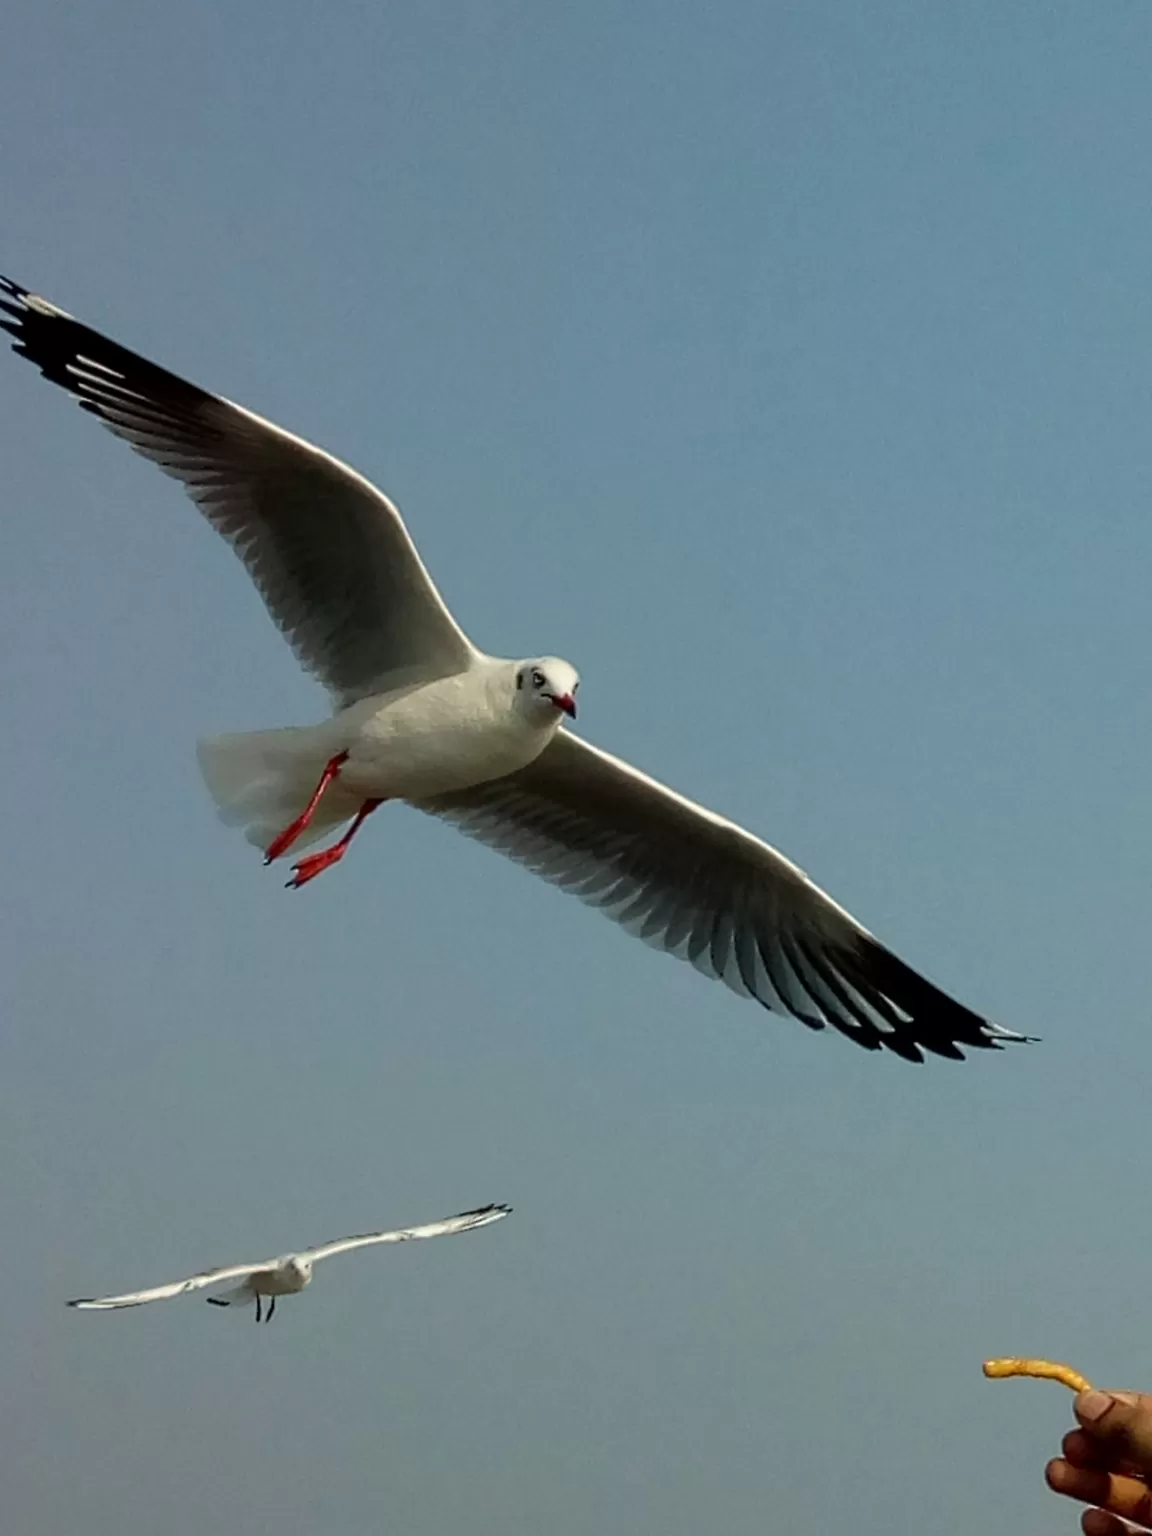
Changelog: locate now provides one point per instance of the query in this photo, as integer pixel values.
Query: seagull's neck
(499, 681)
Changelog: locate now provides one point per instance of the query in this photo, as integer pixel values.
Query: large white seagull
(421, 715)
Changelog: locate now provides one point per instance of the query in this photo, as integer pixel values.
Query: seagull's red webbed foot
(313, 864)
(284, 840)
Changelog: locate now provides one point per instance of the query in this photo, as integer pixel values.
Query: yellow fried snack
(1044, 1370)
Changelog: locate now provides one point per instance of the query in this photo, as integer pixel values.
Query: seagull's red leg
(284, 840)
(313, 864)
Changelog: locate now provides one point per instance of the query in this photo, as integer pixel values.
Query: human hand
(1107, 1462)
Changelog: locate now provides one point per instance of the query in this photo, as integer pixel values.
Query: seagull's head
(299, 1269)
(546, 686)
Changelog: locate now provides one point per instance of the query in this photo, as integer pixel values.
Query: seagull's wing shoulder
(328, 552)
(198, 1282)
(467, 1221)
(700, 887)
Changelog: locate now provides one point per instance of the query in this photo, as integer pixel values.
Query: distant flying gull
(288, 1274)
(421, 715)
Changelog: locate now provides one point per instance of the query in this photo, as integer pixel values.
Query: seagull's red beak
(566, 702)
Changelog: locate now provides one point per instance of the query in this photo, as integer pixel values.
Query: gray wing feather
(467, 1221)
(699, 887)
(328, 552)
(198, 1282)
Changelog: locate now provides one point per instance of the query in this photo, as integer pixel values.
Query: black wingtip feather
(54, 341)
(936, 1022)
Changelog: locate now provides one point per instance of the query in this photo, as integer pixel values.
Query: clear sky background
(789, 368)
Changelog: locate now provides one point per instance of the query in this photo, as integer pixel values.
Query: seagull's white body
(435, 738)
(286, 1276)
(421, 715)
(290, 1273)
(419, 741)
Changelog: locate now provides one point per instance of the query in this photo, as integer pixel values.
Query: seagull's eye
(538, 679)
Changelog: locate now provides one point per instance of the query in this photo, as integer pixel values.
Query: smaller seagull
(291, 1272)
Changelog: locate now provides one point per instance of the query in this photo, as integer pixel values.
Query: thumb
(1121, 1421)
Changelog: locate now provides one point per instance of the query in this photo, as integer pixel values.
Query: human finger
(1124, 1496)
(1098, 1522)
(1120, 1423)
(1082, 1451)
(1077, 1448)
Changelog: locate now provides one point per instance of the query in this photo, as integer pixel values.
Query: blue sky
(789, 368)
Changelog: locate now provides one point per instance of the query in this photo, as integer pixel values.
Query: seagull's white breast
(439, 737)
(278, 1280)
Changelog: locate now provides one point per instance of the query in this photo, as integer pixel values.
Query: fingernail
(1091, 1406)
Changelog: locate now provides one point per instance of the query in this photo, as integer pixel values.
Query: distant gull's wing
(176, 1288)
(328, 552)
(699, 887)
(467, 1222)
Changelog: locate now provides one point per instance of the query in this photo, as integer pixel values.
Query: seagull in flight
(290, 1273)
(421, 715)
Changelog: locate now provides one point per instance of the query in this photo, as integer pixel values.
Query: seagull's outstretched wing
(468, 1221)
(177, 1287)
(701, 888)
(328, 552)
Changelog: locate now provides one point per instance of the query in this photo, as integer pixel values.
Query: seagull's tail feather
(262, 780)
